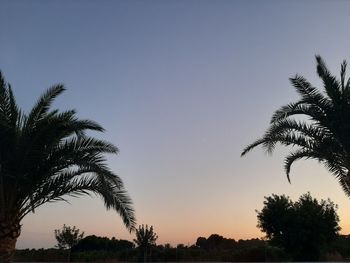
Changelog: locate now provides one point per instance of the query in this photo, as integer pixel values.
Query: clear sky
(181, 87)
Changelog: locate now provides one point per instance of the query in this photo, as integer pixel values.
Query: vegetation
(93, 248)
(215, 242)
(94, 243)
(145, 240)
(67, 238)
(46, 155)
(342, 248)
(324, 135)
(305, 229)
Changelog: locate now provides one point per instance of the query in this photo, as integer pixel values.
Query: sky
(181, 87)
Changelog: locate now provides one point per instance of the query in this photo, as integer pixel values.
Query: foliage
(94, 243)
(342, 246)
(215, 241)
(306, 229)
(244, 250)
(45, 156)
(40, 255)
(324, 134)
(104, 256)
(241, 251)
(145, 239)
(68, 237)
(94, 248)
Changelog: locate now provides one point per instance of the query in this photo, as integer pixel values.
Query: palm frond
(43, 104)
(330, 83)
(342, 75)
(297, 155)
(324, 135)
(299, 108)
(13, 108)
(46, 156)
(78, 184)
(252, 146)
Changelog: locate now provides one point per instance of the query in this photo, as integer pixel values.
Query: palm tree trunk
(145, 255)
(9, 232)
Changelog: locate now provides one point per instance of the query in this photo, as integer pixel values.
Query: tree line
(94, 248)
(304, 230)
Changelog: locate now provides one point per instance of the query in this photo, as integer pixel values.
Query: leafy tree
(68, 237)
(305, 229)
(324, 134)
(93, 243)
(46, 155)
(201, 242)
(145, 239)
(215, 242)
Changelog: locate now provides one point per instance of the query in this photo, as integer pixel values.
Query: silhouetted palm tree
(145, 239)
(325, 134)
(46, 155)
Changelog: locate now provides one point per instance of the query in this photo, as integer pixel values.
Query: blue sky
(181, 87)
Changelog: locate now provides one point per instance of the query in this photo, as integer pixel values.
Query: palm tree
(145, 239)
(324, 135)
(45, 156)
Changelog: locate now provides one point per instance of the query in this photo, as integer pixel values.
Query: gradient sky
(181, 87)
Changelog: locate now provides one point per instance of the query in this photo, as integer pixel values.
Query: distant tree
(167, 246)
(181, 246)
(68, 237)
(323, 131)
(201, 242)
(253, 242)
(145, 239)
(95, 243)
(305, 229)
(91, 243)
(122, 244)
(215, 242)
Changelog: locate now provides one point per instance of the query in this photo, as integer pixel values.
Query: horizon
(181, 87)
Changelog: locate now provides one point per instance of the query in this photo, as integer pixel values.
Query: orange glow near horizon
(183, 224)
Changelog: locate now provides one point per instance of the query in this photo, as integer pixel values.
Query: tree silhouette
(325, 134)
(305, 229)
(68, 237)
(145, 239)
(96, 243)
(215, 242)
(46, 155)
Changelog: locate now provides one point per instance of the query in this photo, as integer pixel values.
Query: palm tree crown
(145, 239)
(325, 134)
(145, 236)
(46, 155)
